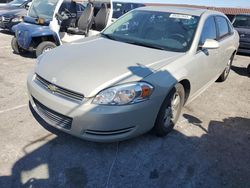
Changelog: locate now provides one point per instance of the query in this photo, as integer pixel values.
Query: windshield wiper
(146, 45)
(111, 37)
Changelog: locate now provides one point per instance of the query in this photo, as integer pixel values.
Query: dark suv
(5, 1)
(242, 25)
(13, 15)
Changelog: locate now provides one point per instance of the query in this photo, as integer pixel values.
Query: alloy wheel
(171, 112)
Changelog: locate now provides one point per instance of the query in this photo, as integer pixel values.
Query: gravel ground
(208, 148)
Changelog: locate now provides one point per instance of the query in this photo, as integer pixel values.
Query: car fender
(14, 28)
(46, 33)
(171, 74)
(26, 32)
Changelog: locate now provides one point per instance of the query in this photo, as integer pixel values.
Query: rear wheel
(44, 47)
(226, 71)
(16, 48)
(170, 111)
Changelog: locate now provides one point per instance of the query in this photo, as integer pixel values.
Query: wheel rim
(171, 112)
(228, 67)
(47, 49)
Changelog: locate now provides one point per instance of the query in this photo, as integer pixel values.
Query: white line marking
(14, 108)
(113, 163)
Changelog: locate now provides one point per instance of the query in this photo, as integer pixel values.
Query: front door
(204, 63)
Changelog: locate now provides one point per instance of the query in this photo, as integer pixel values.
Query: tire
(166, 120)
(226, 71)
(44, 46)
(16, 48)
(248, 69)
(14, 45)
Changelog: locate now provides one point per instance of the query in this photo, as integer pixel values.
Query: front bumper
(7, 25)
(89, 121)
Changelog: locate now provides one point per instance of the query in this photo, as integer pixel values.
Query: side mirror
(27, 6)
(210, 44)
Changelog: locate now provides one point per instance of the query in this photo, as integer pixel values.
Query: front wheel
(226, 71)
(44, 47)
(170, 111)
(16, 48)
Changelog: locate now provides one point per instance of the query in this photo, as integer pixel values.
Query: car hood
(19, 11)
(93, 64)
(8, 7)
(3, 5)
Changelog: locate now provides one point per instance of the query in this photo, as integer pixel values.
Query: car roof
(128, 2)
(180, 10)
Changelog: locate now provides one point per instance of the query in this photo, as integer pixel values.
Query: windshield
(42, 9)
(242, 21)
(16, 2)
(160, 30)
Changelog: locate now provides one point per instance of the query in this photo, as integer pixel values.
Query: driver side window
(209, 30)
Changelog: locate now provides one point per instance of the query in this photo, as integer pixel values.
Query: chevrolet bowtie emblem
(52, 88)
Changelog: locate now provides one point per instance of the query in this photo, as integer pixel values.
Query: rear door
(225, 34)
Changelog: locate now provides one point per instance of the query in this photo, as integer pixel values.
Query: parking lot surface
(208, 148)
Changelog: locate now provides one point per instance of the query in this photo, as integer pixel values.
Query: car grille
(245, 45)
(5, 19)
(65, 93)
(244, 35)
(53, 117)
(247, 36)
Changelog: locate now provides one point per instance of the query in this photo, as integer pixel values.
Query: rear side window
(222, 26)
(209, 30)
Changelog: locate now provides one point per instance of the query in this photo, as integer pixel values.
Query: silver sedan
(135, 76)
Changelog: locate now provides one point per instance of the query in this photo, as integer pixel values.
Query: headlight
(124, 94)
(17, 19)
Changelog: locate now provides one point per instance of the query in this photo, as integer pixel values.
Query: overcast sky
(220, 3)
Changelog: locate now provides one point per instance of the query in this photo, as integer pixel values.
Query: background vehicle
(12, 4)
(242, 24)
(58, 21)
(4, 1)
(13, 16)
(120, 8)
(161, 58)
